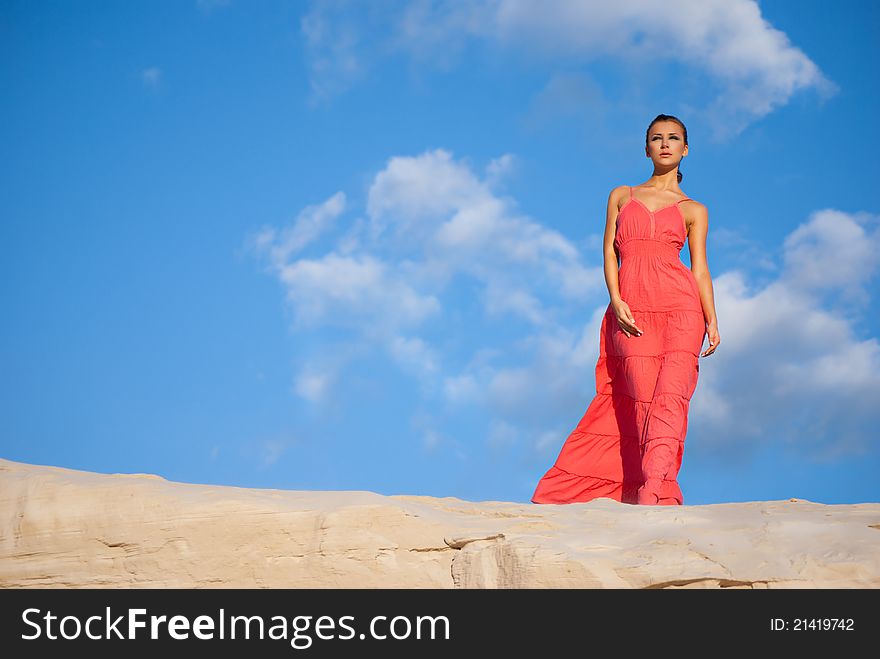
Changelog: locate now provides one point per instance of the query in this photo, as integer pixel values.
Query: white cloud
(791, 356)
(430, 222)
(754, 66)
(429, 218)
(833, 250)
(353, 291)
(432, 204)
(310, 223)
(419, 190)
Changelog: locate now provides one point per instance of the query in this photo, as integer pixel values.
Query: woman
(629, 444)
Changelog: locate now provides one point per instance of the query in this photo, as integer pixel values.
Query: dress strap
(681, 200)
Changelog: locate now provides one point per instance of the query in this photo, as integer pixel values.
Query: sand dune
(66, 528)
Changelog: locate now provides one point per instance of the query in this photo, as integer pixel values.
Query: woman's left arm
(698, 229)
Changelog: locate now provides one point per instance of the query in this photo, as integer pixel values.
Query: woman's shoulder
(693, 204)
(693, 212)
(618, 195)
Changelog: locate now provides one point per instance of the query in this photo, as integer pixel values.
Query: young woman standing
(629, 444)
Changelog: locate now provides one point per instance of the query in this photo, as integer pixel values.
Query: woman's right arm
(611, 256)
(621, 310)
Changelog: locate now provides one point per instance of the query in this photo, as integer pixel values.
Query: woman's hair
(668, 117)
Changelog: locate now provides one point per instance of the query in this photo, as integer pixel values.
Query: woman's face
(666, 145)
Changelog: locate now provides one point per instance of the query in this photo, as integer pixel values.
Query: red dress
(629, 444)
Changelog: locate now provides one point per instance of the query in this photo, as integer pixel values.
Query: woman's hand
(714, 338)
(625, 318)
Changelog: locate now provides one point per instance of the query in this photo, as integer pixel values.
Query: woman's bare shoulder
(618, 195)
(693, 212)
(692, 203)
(692, 206)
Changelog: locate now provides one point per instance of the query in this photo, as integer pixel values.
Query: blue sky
(351, 246)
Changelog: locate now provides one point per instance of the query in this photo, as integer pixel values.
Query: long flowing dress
(629, 444)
